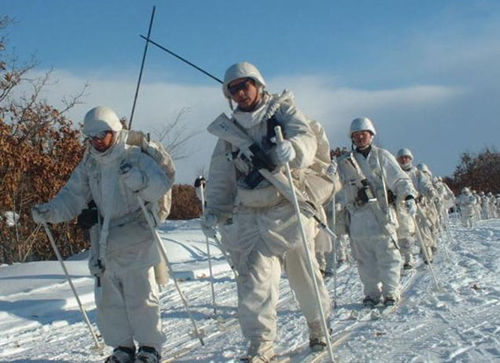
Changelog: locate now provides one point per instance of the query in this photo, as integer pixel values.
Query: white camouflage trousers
(258, 290)
(128, 308)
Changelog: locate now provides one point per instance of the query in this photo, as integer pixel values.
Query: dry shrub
(39, 148)
(185, 203)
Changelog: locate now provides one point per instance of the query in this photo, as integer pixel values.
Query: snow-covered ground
(40, 320)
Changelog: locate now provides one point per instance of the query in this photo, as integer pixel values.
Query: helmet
(466, 190)
(242, 70)
(405, 152)
(362, 124)
(99, 119)
(424, 168)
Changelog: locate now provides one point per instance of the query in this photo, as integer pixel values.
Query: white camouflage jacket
(226, 187)
(97, 177)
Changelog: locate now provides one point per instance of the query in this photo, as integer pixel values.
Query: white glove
(41, 213)
(285, 152)
(411, 206)
(208, 223)
(133, 178)
(332, 168)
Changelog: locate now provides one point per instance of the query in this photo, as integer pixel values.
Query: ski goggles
(241, 86)
(99, 135)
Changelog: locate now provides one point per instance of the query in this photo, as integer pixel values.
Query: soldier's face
(404, 160)
(245, 93)
(362, 139)
(103, 143)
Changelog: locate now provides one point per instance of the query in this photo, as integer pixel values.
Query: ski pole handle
(279, 134)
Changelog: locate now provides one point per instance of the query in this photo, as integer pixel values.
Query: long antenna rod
(148, 40)
(142, 68)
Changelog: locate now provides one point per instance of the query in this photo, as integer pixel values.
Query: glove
(41, 213)
(199, 182)
(208, 223)
(285, 152)
(411, 206)
(87, 218)
(332, 168)
(132, 177)
(95, 266)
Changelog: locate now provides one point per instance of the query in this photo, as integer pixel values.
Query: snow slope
(40, 320)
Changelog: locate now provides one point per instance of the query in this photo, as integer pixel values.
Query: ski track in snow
(460, 322)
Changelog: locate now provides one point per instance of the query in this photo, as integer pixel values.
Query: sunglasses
(242, 86)
(98, 136)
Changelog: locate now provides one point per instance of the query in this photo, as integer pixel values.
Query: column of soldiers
(374, 202)
(473, 206)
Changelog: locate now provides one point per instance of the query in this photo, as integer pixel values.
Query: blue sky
(426, 72)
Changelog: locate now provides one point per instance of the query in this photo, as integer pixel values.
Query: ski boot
(317, 344)
(369, 302)
(390, 301)
(147, 355)
(260, 352)
(121, 355)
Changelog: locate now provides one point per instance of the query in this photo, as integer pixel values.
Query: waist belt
(127, 218)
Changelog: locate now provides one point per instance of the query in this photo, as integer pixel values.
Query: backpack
(157, 151)
(319, 180)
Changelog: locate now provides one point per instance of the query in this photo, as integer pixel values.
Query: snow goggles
(99, 135)
(241, 86)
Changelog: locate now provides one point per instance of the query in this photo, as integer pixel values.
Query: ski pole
(202, 195)
(228, 258)
(142, 69)
(164, 254)
(334, 246)
(279, 139)
(426, 254)
(82, 309)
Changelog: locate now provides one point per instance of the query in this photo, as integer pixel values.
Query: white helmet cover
(424, 168)
(242, 70)
(404, 152)
(99, 119)
(362, 124)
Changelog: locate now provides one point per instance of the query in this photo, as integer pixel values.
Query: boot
(147, 355)
(317, 344)
(369, 302)
(390, 300)
(260, 352)
(121, 355)
(317, 339)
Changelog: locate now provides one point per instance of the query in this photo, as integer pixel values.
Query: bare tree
(174, 136)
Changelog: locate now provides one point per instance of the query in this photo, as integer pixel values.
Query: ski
(180, 350)
(304, 354)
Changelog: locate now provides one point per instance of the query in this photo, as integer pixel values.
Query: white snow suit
(466, 202)
(447, 199)
(128, 302)
(372, 226)
(326, 260)
(425, 218)
(264, 232)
